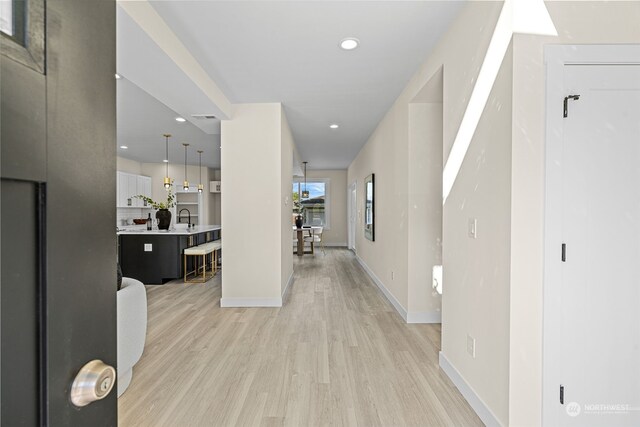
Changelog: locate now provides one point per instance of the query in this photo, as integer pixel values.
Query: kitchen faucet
(180, 216)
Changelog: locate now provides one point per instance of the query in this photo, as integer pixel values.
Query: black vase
(298, 221)
(164, 219)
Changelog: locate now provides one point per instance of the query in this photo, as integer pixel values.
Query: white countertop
(142, 229)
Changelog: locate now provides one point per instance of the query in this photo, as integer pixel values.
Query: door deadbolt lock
(94, 382)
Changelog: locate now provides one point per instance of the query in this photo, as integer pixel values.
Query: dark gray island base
(156, 257)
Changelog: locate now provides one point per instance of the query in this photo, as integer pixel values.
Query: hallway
(335, 353)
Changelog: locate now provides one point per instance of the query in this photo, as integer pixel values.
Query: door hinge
(561, 394)
(566, 104)
(564, 252)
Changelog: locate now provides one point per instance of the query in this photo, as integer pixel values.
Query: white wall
(577, 23)
(337, 234)
(287, 146)
(128, 166)
(476, 271)
(388, 154)
(215, 201)
(256, 206)
(492, 284)
(424, 218)
(397, 154)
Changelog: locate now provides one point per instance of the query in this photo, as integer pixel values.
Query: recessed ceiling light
(334, 126)
(165, 161)
(124, 147)
(180, 119)
(349, 43)
(118, 76)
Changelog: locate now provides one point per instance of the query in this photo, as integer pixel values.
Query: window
(12, 19)
(22, 32)
(6, 17)
(316, 206)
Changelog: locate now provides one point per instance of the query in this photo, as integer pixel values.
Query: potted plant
(163, 214)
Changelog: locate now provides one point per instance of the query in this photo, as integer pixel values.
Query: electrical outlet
(148, 247)
(471, 346)
(473, 228)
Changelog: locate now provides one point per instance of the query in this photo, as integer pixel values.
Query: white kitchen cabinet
(147, 186)
(126, 190)
(130, 185)
(143, 187)
(121, 189)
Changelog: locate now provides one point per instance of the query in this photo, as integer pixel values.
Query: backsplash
(124, 214)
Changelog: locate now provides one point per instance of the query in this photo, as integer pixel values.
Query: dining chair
(306, 232)
(295, 241)
(315, 237)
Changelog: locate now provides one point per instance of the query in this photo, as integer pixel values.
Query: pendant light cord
(200, 186)
(166, 136)
(167, 180)
(185, 186)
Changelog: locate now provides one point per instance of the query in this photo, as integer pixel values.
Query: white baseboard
(251, 302)
(424, 317)
(409, 317)
(335, 245)
(257, 302)
(394, 302)
(286, 288)
(482, 410)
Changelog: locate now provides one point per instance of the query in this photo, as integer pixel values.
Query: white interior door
(352, 216)
(599, 325)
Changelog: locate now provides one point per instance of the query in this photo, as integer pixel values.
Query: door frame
(556, 58)
(352, 212)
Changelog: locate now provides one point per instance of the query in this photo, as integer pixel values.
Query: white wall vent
(203, 116)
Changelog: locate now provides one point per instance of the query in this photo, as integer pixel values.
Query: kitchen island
(155, 256)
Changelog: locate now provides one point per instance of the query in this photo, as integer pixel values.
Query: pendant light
(305, 192)
(185, 184)
(167, 180)
(200, 186)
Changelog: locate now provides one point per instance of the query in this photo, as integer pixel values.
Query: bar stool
(198, 251)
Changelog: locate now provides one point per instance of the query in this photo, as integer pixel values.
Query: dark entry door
(58, 243)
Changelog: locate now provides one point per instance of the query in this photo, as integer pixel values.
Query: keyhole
(104, 386)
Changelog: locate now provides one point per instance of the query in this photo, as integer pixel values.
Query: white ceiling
(142, 120)
(279, 51)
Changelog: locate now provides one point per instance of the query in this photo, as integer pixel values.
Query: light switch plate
(473, 228)
(471, 346)
(148, 247)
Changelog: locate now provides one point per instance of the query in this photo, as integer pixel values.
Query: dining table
(301, 234)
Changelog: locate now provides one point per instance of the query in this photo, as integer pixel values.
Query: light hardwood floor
(336, 353)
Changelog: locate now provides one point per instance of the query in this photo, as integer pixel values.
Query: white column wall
(251, 206)
(286, 182)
